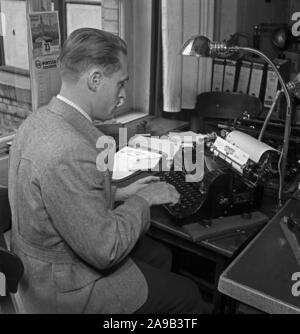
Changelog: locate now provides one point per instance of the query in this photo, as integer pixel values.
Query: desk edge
(253, 298)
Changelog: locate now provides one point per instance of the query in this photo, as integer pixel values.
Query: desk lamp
(201, 46)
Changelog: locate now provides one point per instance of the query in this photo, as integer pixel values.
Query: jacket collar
(74, 118)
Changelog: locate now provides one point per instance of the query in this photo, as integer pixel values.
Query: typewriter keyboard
(192, 195)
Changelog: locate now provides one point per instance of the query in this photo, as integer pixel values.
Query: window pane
(15, 41)
(15, 93)
(80, 16)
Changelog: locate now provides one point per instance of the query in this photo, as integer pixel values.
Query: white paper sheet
(254, 148)
(155, 144)
(129, 160)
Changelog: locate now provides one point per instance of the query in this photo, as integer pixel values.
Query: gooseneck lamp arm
(201, 46)
(288, 120)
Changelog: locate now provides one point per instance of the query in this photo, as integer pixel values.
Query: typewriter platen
(232, 182)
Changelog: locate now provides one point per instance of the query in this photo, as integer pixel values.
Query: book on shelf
(218, 75)
(244, 77)
(257, 77)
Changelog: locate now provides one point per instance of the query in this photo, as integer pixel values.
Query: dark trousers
(168, 293)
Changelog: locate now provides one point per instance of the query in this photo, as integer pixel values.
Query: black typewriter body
(221, 193)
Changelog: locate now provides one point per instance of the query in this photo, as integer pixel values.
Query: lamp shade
(197, 46)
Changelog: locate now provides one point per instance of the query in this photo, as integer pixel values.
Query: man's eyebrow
(126, 79)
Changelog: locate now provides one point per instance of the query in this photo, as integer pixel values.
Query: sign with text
(44, 49)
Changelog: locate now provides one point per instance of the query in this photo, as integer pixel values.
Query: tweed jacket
(75, 249)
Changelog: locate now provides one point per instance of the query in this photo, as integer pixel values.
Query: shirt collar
(75, 106)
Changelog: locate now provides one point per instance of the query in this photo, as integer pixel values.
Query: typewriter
(231, 184)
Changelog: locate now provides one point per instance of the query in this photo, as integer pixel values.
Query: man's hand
(159, 193)
(124, 193)
(151, 189)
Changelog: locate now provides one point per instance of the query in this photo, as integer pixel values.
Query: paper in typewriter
(254, 148)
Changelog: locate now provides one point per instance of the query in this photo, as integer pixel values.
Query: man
(80, 255)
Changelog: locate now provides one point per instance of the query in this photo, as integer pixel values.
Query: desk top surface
(261, 276)
(226, 244)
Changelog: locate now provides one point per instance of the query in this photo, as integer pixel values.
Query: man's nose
(122, 97)
(123, 94)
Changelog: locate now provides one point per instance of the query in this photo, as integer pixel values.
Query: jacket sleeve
(74, 195)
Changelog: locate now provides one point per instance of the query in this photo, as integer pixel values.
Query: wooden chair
(213, 107)
(11, 266)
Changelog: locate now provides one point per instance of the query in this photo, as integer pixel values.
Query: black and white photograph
(149, 160)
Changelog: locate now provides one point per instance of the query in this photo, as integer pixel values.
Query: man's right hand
(158, 193)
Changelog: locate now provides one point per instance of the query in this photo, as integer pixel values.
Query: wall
(242, 15)
(226, 14)
(253, 12)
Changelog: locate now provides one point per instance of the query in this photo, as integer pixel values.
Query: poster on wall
(44, 48)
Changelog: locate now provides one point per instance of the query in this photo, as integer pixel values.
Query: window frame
(8, 68)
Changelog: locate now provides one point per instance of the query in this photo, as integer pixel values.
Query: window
(13, 37)
(78, 13)
(15, 88)
(100, 14)
(15, 93)
(94, 14)
(130, 19)
(14, 40)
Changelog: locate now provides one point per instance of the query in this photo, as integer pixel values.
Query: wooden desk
(261, 276)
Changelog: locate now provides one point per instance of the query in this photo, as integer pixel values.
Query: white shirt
(75, 106)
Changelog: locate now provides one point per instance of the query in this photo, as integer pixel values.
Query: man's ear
(95, 80)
